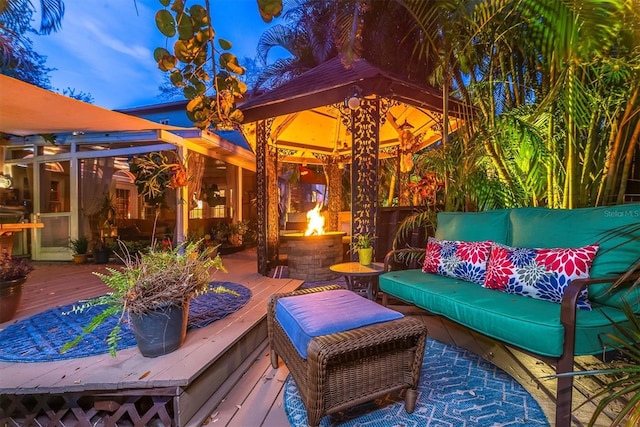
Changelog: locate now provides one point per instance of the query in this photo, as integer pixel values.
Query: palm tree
(503, 56)
(314, 31)
(15, 20)
(303, 36)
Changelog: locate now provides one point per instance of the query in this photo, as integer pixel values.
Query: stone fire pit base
(309, 257)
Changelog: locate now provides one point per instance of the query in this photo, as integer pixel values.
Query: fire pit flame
(315, 221)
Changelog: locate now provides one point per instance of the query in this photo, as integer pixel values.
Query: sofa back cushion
(474, 226)
(615, 228)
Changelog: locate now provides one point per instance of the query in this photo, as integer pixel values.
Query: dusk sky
(106, 48)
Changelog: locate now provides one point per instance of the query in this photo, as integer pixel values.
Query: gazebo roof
(306, 110)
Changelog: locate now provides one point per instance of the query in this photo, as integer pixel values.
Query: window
(54, 196)
(219, 211)
(122, 204)
(196, 213)
(148, 211)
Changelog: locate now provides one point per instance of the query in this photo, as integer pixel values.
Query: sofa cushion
(474, 226)
(304, 317)
(614, 228)
(452, 258)
(528, 323)
(539, 273)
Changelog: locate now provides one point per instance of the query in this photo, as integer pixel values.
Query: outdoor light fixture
(353, 102)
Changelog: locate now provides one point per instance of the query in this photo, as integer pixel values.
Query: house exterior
(65, 164)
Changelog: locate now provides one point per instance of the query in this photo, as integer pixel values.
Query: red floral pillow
(539, 273)
(462, 260)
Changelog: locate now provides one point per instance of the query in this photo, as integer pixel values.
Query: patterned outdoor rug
(40, 337)
(457, 388)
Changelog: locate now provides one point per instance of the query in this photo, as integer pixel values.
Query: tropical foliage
(17, 57)
(157, 171)
(207, 75)
(554, 87)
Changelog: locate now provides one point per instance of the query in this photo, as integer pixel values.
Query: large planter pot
(10, 294)
(101, 256)
(365, 255)
(161, 331)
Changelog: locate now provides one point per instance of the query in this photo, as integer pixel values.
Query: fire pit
(309, 257)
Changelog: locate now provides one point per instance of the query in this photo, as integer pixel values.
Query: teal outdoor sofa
(551, 331)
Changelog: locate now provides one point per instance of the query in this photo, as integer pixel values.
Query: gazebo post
(365, 131)
(267, 207)
(334, 186)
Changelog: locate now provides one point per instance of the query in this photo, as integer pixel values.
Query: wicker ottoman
(344, 369)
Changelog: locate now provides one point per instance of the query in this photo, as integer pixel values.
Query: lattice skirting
(139, 407)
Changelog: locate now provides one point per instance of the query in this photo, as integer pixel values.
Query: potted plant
(237, 231)
(363, 243)
(107, 217)
(13, 274)
(153, 291)
(80, 246)
(101, 252)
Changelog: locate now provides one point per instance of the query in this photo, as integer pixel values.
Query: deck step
(209, 407)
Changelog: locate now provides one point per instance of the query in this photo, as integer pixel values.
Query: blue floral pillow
(462, 260)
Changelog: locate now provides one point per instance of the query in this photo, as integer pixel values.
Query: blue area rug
(40, 337)
(457, 388)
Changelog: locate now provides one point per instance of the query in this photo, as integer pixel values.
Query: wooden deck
(222, 375)
(177, 386)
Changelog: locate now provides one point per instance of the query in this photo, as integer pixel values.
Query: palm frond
(424, 219)
(276, 36)
(52, 12)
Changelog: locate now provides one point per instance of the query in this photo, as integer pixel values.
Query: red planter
(10, 294)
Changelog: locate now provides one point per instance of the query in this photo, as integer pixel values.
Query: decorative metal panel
(272, 206)
(285, 152)
(365, 131)
(261, 196)
(334, 201)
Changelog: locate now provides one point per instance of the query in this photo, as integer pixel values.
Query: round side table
(362, 279)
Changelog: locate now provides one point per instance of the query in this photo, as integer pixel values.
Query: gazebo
(336, 114)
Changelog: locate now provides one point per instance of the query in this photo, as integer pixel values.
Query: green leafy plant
(155, 172)
(362, 241)
(132, 248)
(622, 376)
(423, 218)
(148, 281)
(80, 245)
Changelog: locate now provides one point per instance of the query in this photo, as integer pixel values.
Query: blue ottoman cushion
(304, 317)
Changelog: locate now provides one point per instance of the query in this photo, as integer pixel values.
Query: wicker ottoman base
(351, 367)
